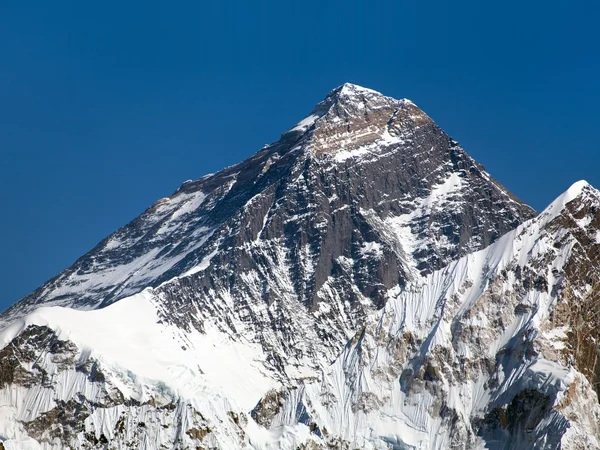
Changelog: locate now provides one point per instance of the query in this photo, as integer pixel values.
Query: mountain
(360, 283)
(498, 350)
(362, 195)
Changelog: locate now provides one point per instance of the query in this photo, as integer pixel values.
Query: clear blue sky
(108, 106)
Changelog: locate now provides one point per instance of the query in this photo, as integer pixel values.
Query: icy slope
(481, 354)
(81, 378)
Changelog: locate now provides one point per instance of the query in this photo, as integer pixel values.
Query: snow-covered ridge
(128, 335)
(395, 375)
(143, 360)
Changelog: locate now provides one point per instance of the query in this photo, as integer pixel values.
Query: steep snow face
(83, 378)
(135, 256)
(484, 353)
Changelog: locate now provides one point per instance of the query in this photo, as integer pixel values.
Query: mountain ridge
(364, 260)
(548, 366)
(192, 194)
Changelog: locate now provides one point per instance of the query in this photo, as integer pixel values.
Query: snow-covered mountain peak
(353, 93)
(349, 94)
(362, 156)
(577, 189)
(355, 119)
(582, 191)
(251, 280)
(346, 109)
(352, 89)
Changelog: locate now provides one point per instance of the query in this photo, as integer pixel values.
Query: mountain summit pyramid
(354, 157)
(360, 283)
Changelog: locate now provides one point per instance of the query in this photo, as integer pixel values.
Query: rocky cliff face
(362, 282)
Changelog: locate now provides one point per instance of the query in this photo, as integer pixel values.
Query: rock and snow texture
(480, 354)
(360, 283)
(363, 166)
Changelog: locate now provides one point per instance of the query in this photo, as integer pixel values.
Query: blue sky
(109, 106)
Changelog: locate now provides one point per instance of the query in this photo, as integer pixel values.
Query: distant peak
(353, 89)
(352, 116)
(576, 190)
(353, 94)
(579, 189)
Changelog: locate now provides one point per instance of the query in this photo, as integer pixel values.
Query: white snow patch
(305, 123)
(128, 338)
(450, 185)
(190, 204)
(372, 149)
(372, 249)
(203, 264)
(557, 337)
